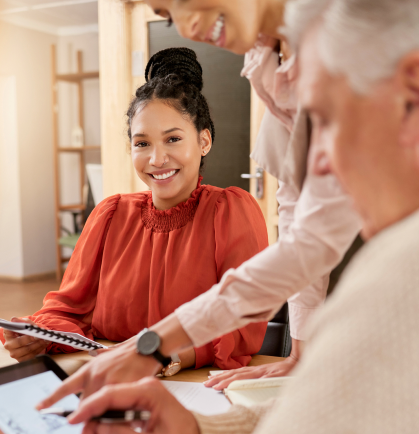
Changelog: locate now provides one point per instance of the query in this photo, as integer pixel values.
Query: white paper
(17, 407)
(197, 397)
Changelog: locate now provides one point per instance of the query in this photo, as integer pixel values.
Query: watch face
(148, 343)
(172, 369)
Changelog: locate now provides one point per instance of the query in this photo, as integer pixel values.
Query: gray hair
(362, 39)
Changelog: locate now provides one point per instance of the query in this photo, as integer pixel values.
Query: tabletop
(70, 363)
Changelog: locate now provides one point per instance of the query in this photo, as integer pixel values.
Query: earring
(165, 162)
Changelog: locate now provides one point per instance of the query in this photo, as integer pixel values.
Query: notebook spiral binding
(65, 339)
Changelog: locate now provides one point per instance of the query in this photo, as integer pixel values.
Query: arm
(240, 233)
(70, 309)
(303, 304)
(324, 226)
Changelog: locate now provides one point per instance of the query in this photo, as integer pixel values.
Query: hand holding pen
(147, 397)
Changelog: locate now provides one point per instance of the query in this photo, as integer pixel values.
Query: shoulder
(230, 196)
(120, 203)
(234, 203)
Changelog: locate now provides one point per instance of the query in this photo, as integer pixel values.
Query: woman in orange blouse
(142, 255)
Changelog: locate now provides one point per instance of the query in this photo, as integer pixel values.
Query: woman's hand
(121, 364)
(278, 369)
(23, 347)
(167, 414)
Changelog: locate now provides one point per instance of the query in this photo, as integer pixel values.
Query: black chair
(277, 340)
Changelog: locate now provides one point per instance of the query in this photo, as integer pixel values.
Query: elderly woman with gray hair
(359, 72)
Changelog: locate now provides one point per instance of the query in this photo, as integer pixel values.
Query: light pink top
(317, 223)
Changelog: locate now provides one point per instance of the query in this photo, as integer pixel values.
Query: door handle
(259, 181)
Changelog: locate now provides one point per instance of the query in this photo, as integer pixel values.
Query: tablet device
(24, 385)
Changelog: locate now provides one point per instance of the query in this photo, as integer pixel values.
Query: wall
(11, 258)
(25, 55)
(27, 225)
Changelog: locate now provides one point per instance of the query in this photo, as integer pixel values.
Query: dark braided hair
(175, 76)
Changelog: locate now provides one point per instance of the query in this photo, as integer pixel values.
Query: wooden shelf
(76, 207)
(83, 148)
(75, 78)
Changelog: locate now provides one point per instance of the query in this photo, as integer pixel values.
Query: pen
(110, 416)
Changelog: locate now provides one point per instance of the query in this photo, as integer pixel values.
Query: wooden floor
(23, 298)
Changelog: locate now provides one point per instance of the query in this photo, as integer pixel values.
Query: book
(255, 391)
(74, 340)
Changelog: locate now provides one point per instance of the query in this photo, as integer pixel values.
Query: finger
(27, 340)
(119, 397)
(22, 351)
(18, 341)
(8, 334)
(109, 397)
(94, 384)
(215, 379)
(29, 356)
(73, 384)
(25, 320)
(225, 383)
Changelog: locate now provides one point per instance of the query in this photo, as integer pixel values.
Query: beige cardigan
(360, 371)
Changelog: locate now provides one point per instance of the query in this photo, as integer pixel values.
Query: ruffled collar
(172, 218)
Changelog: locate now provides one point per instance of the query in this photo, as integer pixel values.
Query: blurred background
(68, 70)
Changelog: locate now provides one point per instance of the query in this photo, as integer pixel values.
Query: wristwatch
(148, 343)
(173, 367)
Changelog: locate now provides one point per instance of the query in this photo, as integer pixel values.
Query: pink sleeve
(302, 305)
(323, 229)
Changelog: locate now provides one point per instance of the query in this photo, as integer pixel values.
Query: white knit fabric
(360, 370)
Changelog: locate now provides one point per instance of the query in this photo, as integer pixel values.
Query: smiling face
(166, 151)
(368, 141)
(233, 24)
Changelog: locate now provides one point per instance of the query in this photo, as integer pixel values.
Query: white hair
(362, 39)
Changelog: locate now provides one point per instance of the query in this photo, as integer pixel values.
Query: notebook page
(197, 397)
(258, 383)
(250, 397)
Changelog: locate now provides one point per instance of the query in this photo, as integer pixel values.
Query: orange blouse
(134, 265)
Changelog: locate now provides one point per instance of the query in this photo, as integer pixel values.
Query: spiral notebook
(71, 339)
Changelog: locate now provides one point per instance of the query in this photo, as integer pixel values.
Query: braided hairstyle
(175, 76)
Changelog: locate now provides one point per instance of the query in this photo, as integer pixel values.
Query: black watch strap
(165, 361)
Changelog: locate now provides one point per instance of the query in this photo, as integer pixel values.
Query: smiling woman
(142, 255)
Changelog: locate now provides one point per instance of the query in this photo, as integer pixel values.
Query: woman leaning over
(142, 255)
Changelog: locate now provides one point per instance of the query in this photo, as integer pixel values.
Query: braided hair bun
(181, 62)
(175, 76)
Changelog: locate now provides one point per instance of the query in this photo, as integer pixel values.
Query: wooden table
(70, 363)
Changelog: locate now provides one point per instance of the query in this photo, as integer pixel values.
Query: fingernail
(93, 353)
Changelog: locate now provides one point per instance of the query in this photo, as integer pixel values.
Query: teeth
(164, 175)
(216, 33)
